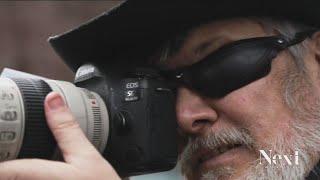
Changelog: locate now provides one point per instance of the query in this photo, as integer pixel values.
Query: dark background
(26, 25)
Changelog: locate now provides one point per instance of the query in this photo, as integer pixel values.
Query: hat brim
(125, 36)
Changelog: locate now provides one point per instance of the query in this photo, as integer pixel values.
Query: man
(266, 99)
(278, 112)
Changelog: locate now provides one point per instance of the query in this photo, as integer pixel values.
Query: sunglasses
(234, 65)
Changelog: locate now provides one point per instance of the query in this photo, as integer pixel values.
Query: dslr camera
(130, 119)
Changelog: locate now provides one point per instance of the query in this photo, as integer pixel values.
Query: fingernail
(55, 102)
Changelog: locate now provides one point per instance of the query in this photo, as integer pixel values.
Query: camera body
(142, 120)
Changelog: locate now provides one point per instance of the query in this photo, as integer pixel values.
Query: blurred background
(25, 27)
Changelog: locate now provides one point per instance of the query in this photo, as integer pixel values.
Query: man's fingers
(36, 169)
(71, 140)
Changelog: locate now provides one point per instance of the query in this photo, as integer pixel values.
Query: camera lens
(23, 129)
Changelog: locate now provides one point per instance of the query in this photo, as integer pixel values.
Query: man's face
(225, 134)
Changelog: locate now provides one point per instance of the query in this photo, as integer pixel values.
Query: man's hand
(82, 160)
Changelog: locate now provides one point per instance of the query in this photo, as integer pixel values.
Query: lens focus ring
(38, 140)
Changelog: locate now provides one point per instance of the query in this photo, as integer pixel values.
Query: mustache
(213, 141)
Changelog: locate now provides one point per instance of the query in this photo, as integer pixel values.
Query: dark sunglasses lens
(219, 74)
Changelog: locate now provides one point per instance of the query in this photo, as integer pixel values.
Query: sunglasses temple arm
(301, 36)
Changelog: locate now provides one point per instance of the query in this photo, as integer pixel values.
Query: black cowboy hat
(125, 36)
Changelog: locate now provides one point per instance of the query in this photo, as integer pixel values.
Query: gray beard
(259, 170)
(307, 146)
(305, 138)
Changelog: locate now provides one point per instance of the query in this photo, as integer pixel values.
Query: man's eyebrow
(202, 47)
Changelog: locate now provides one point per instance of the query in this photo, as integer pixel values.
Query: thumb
(71, 140)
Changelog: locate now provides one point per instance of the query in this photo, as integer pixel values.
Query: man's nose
(194, 114)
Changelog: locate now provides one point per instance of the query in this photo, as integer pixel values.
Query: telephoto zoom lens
(23, 129)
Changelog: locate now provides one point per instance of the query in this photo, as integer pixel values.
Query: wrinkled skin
(259, 107)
